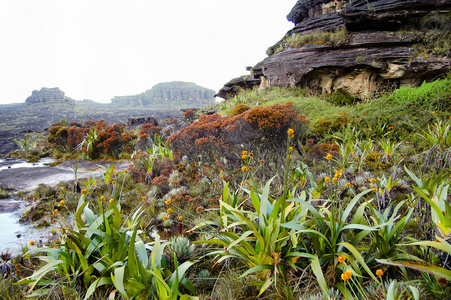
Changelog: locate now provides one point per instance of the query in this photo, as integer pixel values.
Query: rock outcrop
(46, 95)
(359, 46)
(169, 93)
(140, 121)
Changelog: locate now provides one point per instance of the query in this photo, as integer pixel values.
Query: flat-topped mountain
(47, 95)
(168, 93)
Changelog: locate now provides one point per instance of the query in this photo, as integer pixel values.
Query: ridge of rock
(359, 46)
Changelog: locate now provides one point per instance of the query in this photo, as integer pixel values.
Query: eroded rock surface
(358, 46)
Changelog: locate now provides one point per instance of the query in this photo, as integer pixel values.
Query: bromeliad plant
(104, 250)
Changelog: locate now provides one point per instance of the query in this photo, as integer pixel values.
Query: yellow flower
(290, 149)
(326, 179)
(244, 152)
(102, 198)
(144, 198)
(374, 189)
(289, 157)
(111, 200)
(199, 209)
(334, 180)
(165, 218)
(341, 258)
(244, 156)
(83, 191)
(295, 259)
(31, 243)
(379, 272)
(372, 180)
(113, 182)
(61, 203)
(246, 181)
(180, 218)
(244, 169)
(125, 171)
(346, 275)
(329, 156)
(348, 184)
(167, 202)
(290, 131)
(169, 210)
(338, 174)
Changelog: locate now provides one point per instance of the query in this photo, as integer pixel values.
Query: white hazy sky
(98, 49)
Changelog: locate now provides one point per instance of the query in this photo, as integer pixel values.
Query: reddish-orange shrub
(212, 136)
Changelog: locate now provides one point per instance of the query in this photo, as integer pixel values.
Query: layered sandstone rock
(358, 46)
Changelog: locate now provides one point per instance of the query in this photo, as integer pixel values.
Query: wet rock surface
(27, 179)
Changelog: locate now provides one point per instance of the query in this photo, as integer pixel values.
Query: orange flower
(374, 189)
(338, 174)
(144, 198)
(262, 162)
(326, 179)
(251, 155)
(329, 156)
(290, 149)
(61, 203)
(31, 243)
(334, 180)
(341, 258)
(244, 169)
(199, 209)
(111, 200)
(346, 275)
(379, 272)
(83, 191)
(165, 218)
(372, 180)
(348, 184)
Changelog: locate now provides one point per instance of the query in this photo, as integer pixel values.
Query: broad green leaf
(423, 267)
(118, 280)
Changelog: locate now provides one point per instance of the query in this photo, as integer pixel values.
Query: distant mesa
(174, 92)
(47, 95)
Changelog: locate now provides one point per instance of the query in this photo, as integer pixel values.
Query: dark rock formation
(234, 85)
(174, 93)
(360, 46)
(46, 95)
(140, 121)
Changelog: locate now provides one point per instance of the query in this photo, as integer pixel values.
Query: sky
(98, 49)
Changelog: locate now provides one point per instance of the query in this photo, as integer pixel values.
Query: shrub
(239, 109)
(212, 136)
